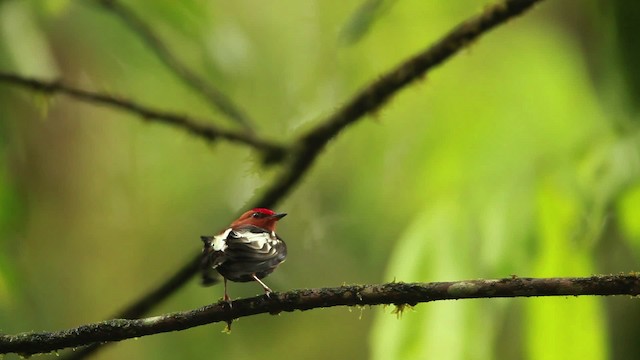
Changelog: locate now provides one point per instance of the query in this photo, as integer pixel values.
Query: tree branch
(272, 152)
(399, 294)
(214, 96)
(380, 91)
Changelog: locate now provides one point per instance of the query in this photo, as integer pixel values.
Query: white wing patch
(255, 240)
(263, 241)
(219, 242)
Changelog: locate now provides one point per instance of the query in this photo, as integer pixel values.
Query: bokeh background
(519, 156)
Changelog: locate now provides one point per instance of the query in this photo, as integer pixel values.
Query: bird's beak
(279, 216)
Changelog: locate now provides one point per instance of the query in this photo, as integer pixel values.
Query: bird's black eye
(257, 215)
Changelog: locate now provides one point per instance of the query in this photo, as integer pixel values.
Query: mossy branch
(395, 293)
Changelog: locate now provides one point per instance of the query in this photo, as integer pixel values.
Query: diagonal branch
(146, 303)
(214, 96)
(399, 294)
(162, 291)
(380, 91)
(155, 296)
(273, 152)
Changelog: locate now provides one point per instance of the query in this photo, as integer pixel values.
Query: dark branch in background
(146, 303)
(376, 94)
(214, 96)
(273, 152)
(161, 292)
(399, 294)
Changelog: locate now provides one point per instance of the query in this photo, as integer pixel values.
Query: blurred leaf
(432, 249)
(189, 18)
(11, 219)
(25, 41)
(7, 276)
(606, 176)
(55, 7)
(628, 210)
(563, 328)
(363, 19)
(626, 25)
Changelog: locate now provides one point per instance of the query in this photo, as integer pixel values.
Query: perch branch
(209, 132)
(398, 294)
(214, 96)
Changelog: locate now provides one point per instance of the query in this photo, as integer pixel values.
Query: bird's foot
(227, 300)
(267, 290)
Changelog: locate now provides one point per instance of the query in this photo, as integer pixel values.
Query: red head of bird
(260, 217)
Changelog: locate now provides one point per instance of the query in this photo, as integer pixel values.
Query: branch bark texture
(399, 294)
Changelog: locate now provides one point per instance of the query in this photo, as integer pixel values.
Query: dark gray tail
(210, 275)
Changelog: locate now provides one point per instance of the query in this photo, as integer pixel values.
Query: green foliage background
(517, 157)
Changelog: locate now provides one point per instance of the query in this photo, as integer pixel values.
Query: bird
(248, 250)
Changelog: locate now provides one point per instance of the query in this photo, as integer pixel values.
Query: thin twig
(214, 96)
(399, 294)
(380, 91)
(273, 152)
